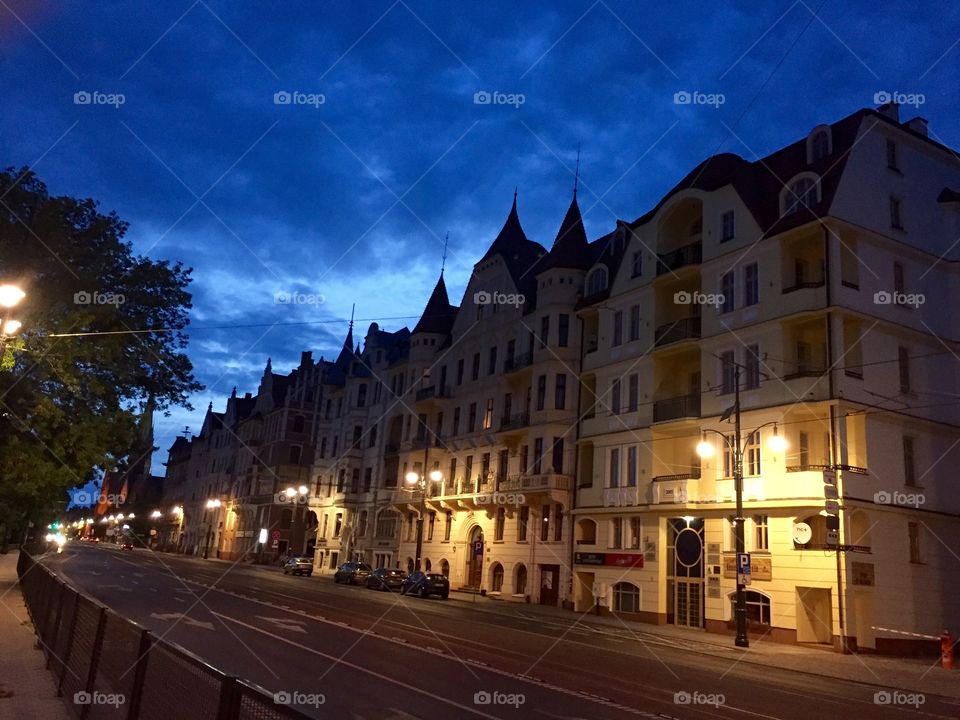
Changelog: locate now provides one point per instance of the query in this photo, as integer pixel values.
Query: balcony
(691, 254)
(820, 468)
(427, 441)
(804, 286)
(676, 331)
(685, 406)
(676, 489)
(516, 421)
(518, 362)
(544, 482)
(429, 393)
(806, 372)
(621, 496)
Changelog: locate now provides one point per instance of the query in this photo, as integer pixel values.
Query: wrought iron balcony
(518, 362)
(683, 329)
(515, 422)
(685, 406)
(691, 254)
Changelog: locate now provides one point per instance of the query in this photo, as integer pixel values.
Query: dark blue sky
(350, 199)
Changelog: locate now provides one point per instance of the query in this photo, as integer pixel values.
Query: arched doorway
(445, 568)
(475, 549)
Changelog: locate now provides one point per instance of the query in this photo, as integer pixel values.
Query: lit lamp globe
(11, 326)
(436, 475)
(303, 489)
(10, 295)
(705, 449)
(777, 443)
(412, 478)
(290, 492)
(155, 514)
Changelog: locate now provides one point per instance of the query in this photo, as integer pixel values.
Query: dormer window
(799, 194)
(597, 281)
(819, 144)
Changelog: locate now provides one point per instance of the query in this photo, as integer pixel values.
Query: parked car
(424, 584)
(352, 573)
(126, 545)
(386, 579)
(298, 565)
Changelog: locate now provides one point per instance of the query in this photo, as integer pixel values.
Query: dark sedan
(352, 573)
(424, 584)
(386, 579)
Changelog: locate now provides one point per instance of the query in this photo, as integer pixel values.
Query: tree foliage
(68, 404)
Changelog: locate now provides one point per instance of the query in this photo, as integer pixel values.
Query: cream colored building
(822, 271)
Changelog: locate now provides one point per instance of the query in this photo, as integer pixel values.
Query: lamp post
(416, 480)
(178, 511)
(212, 504)
(10, 295)
(154, 516)
(298, 495)
(706, 449)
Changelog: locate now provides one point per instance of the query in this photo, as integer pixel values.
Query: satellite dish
(802, 533)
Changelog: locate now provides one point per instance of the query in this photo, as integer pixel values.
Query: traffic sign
(830, 492)
(743, 568)
(830, 477)
(832, 507)
(833, 537)
(275, 535)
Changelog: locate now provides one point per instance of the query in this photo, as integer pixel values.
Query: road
(380, 655)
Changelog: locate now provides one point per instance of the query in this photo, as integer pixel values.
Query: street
(347, 652)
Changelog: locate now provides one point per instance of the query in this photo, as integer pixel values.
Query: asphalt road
(379, 655)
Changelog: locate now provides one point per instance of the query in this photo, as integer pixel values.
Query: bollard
(946, 650)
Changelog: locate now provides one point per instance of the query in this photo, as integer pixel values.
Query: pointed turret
(439, 314)
(511, 237)
(346, 353)
(571, 249)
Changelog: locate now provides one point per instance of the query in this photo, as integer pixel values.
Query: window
(545, 522)
(472, 418)
(297, 424)
(497, 578)
(563, 331)
(801, 194)
(761, 537)
(751, 373)
(524, 457)
(295, 454)
(728, 292)
(597, 281)
(632, 466)
(492, 363)
(522, 523)
(488, 415)
(626, 598)
(475, 373)
(560, 392)
(362, 395)
(537, 455)
(634, 322)
(367, 479)
(341, 479)
(323, 448)
(615, 397)
(447, 526)
(617, 328)
(386, 524)
(913, 534)
(804, 449)
(460, 371)
(520, 580)
(323, 527)
(758, 607)
(909, 471)
(557, 460)
(541, 392)
(728, 372)
(558, 522)
(751, 284)
(616, 533)
(728, 226)
(896, 221)
(892, 155)
(899, 279)
(751, 458)
(362, 524)
(337, 525)
(820, 147)
(633, 392)
(372, 437)
(614, 468)
(636, 265)
(355, 480)
(634, 527)
(903, 364)
(544, 331)
(456, 421)
(499, 525)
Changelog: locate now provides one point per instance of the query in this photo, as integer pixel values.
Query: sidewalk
(23, 667)
(907, 674)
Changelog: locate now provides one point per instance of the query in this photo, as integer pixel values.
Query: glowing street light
(156, 514)
(10, 295)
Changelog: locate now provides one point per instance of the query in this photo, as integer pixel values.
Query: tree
(103, 336)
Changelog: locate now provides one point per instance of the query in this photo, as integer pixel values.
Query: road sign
(830, 477)
(832, 507)
(275, 535)
(830, 492)
(832, 522)
(743, 568)
(833, 537)
(276, 543)
(478, 547)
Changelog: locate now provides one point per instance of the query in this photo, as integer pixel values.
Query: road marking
(359, 668)
(181, 617)
(286, 623)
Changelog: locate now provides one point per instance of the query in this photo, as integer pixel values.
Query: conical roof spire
(511, 237)
(570, 249)
(347, 352)
(438, 315)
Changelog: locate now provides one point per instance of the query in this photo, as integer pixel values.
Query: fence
(110, 668)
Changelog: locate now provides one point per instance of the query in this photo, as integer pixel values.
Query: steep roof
(571, 248)
(439, 314)
(521, 255)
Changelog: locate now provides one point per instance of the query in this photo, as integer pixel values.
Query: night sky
(346, 192)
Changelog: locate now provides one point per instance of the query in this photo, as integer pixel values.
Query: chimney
(918, 125)
(890, 110)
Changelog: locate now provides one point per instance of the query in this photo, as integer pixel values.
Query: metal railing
(691, 254)
(517, 362)
(683, 329)
(515, 421)
(96, 654)
(684, 406)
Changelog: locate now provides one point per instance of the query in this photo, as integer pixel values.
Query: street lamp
(212, 504)
(10, 295)
(415, 480)
(705, 449)
(178, 510)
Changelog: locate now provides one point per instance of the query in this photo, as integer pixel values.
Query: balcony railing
(529, 483)
(685, 406)
(518, 362)
(683, 329)
(430, 392)
(515, 422)
(691, 254)
(805, 372)
(804, 286)
(820, 468)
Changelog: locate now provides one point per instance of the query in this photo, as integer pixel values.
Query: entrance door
(475, 563)
(688, 602)
(685, 572)
(549, 584)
